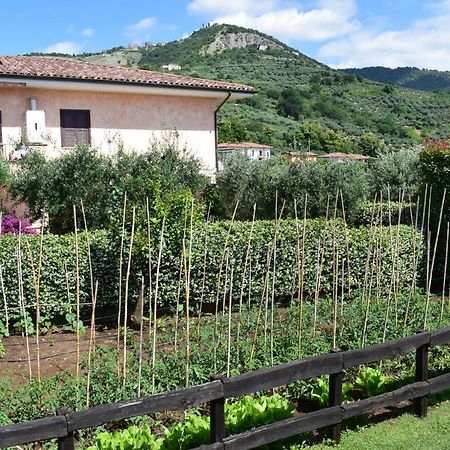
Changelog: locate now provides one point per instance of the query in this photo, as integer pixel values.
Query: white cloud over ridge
(88, 32)
(425, 44)
(140, 31)
(293, 24)
(285, 19)
(231, 6)
(68, 47)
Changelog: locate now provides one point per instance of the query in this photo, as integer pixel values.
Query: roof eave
(124, 86)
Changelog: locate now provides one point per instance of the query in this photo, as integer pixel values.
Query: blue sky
(342, 33)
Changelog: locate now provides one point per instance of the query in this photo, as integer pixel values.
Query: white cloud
(69, 47)
(88, 32)
(328, 19)
(425, 44)
(140, 31)
(231, 6)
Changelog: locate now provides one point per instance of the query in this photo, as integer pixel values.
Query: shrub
(382, 213)
(396, 174)
(59, 265)
(100, 182)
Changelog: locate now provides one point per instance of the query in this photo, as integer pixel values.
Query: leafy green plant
(371, 381)
(251, 412)
(132, 438)
(320, 391)
(72, 324)
(192, 432)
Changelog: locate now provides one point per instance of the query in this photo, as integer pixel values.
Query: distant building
(251, 150)
(339, 157)
(171, 67)
(299, 156)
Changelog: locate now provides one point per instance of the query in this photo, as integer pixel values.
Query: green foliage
(100, 182)
(4, 173)
(396, 174)
(251, 412)
(59, 263)
(194, 430)
(435, 170)
(248, 183)
(371, 381)
(382, 213)
(191, 433)
(132, 438)
(320, 390)
(2, 349)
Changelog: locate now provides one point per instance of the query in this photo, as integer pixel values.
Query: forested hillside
(409, 77)
(300, 102)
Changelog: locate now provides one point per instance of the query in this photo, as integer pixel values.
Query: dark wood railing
(66, 422)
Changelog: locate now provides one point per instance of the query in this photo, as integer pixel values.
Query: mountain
(408, 77)
(300, 102)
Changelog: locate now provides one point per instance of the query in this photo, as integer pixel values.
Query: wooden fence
(63, 425)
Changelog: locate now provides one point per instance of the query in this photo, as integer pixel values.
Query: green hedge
(58, 278)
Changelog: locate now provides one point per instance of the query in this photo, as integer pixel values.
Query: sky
(340, 33)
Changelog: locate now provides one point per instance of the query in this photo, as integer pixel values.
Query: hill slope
(408, 77)
(301, 102)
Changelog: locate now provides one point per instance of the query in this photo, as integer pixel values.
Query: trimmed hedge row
(388, 248)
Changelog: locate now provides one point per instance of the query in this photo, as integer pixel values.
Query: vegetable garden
(186, 297)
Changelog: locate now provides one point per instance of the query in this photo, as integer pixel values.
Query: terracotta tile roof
(71, 69)
(242, 145)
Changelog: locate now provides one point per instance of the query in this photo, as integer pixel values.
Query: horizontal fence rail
(63, 425)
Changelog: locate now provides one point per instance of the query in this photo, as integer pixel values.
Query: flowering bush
(13, 225)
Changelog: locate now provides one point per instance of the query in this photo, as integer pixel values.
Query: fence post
(421, 403)
(217, 416)
(67, 442)
(335, 398)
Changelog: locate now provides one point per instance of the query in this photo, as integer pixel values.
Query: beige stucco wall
(134, 120)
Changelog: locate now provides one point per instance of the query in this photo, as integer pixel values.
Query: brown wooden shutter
(75, 127)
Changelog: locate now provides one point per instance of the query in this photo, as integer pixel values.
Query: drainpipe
(215, 127)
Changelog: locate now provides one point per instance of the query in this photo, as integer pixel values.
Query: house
(54, 103)
(251, 150)
(295, 157)
(339, 157)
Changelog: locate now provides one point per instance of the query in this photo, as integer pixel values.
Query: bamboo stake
(230, 299)
(22, 300)
(180, 273)
(125, 314)
(38, 303)
(320, 261)
(188, 291)
(77, 294)
(416, 255)
(91, 273)
(274, 274)
(302, 279)
(219, 280)
(5, 303)
(91, 344)
(150, 278)
(246, 262)
(155, 304)
(141, 337)
(263, 296)
(445, 272)
(119, 315)
(434, 257)
(205, 254)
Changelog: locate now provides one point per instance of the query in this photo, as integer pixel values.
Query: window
(75, 127)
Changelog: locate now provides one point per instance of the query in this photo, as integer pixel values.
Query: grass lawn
(402, 433)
